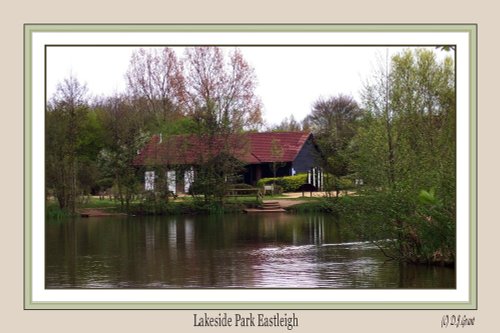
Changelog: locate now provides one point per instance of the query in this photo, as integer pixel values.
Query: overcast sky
(290, 79)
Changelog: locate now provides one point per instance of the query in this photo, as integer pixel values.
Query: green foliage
(334, 124)
(407, 136)
(406, 143)
(420, 229)
(288, 124)
(436, 224)
(156, 206)
(428, 197)
(241, 186)
(221, 101)
(288, 183)
(216, 176)
(124, 136)
(53, 211)
(345, 183)
(178, 126)
(66, 117)
(370, 154)
(315, 205)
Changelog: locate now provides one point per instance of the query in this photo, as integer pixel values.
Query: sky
(289, 79)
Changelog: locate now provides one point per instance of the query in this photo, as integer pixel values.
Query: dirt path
(284, 203)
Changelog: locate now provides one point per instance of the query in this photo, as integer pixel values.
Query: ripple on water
(329, 265)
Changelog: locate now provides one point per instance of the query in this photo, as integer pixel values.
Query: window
(149, 180)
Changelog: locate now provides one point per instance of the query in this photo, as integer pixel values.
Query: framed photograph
(250, 167)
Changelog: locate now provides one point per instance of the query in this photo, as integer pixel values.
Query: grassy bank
(421, 227)
(180, 206)
(185, 207)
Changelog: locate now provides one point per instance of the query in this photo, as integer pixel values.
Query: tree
(288, 124)
(222, 102)
(333, 121)
(378, 124)
(221, 92)
(407, 140)
(65, 115)
(124, 137)
(156, 83)
(410, 119)
(423, 97)
(91, 140)
(277, 156)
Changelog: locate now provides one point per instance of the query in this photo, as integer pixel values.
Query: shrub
(240, 185)
(345, 183)
(53, 211)
(288, 183)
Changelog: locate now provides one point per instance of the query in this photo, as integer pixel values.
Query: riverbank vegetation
(402, 146)
(396, 147)
(405, 151)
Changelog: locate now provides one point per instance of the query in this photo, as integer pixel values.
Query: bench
(239, 192)
(268, 188)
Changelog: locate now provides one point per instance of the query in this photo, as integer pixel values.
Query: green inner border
(29, 29)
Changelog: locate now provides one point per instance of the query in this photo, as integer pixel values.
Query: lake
(224, 251)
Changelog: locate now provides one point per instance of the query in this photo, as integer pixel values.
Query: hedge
(288, 183)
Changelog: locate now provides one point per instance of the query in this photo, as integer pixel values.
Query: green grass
(314, 205)
(181, 205)
(53, 211)
(97, 203)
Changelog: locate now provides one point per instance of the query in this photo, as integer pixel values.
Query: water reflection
(230, 251)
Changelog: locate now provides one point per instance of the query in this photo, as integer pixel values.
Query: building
(262, 154)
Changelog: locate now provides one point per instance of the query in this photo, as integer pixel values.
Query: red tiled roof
(289, 142)
(250, 148)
